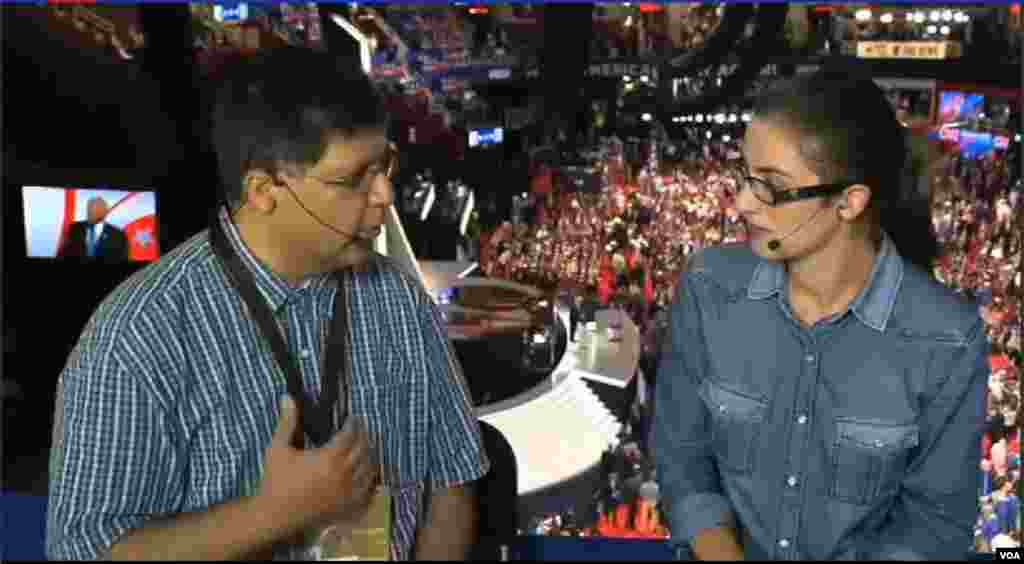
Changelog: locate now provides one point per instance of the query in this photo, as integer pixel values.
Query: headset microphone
(353, 237)
(775, 244)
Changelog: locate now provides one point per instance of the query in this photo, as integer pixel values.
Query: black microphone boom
(351, 236)
(775, 244)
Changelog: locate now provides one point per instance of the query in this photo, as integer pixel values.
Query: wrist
(275, 518)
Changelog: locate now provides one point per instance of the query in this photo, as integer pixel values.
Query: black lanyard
(315, 418)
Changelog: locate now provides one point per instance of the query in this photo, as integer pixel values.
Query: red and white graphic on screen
(135, 214)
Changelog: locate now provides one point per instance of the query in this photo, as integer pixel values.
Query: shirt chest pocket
(736, 422)
(869, 459)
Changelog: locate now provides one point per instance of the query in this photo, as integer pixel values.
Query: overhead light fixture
(935, 16)
(944, 30)
(910, 16)
(932, 29)
(886, 18)
(862, 15)
(947, 16)
(919, 17)
(726, 138)
(708, 135)
(627, 78)
(645, 79)
(646, 117)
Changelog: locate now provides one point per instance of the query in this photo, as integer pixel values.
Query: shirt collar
(873, 306)
(275, 289)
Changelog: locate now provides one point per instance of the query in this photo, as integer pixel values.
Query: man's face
(97, 211)
(349, 191)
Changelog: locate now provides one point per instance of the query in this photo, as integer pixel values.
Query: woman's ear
(855, 201)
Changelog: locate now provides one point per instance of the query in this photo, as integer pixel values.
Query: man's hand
(301, 489)
(318, 486)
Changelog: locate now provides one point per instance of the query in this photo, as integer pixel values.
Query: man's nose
(383, 192)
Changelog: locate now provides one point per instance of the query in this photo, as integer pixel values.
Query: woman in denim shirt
(820, 395)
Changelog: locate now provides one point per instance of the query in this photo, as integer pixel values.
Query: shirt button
(783, 543)
(304, 354)
(792, 481)
(810, 359)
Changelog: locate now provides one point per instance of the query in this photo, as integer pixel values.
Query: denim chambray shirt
(855, 439)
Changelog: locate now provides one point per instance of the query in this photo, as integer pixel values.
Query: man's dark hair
(849, 132)
(281, 107)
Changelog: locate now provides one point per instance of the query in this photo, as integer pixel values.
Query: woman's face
(772, 155)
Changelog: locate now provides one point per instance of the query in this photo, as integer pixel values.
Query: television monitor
(960, 106)
(974, 144)
(61, 222)
(483, 137)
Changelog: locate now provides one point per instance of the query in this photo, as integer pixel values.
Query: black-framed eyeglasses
(388, 165)
(771, 196)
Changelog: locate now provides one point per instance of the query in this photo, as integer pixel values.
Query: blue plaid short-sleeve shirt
(171, 396)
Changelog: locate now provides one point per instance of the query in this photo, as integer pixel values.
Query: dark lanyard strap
(315, 418)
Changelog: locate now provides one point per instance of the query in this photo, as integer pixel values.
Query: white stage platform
(601, 360)
(559, 429)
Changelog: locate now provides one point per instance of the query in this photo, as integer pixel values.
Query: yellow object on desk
(366, 538)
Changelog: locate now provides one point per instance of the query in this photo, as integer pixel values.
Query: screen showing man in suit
(94, 238)
(91, 224)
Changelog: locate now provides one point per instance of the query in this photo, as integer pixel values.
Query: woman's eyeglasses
(771, 196)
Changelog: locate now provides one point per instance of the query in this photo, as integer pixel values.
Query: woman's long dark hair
(849, 131)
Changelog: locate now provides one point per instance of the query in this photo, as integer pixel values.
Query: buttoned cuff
(699, 512)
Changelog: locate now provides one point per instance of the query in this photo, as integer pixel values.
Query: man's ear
(258, 191)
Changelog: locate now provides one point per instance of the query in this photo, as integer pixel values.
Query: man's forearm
(720, 544)
(231, 531)
(451, 525)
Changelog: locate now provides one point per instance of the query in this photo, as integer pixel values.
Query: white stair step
(557, 436)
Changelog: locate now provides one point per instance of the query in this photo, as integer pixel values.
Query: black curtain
(190, 187)
(564, 58)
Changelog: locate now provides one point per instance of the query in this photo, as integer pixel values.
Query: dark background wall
(75, 117)
(72, 118)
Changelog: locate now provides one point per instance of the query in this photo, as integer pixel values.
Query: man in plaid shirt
(171, 437)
